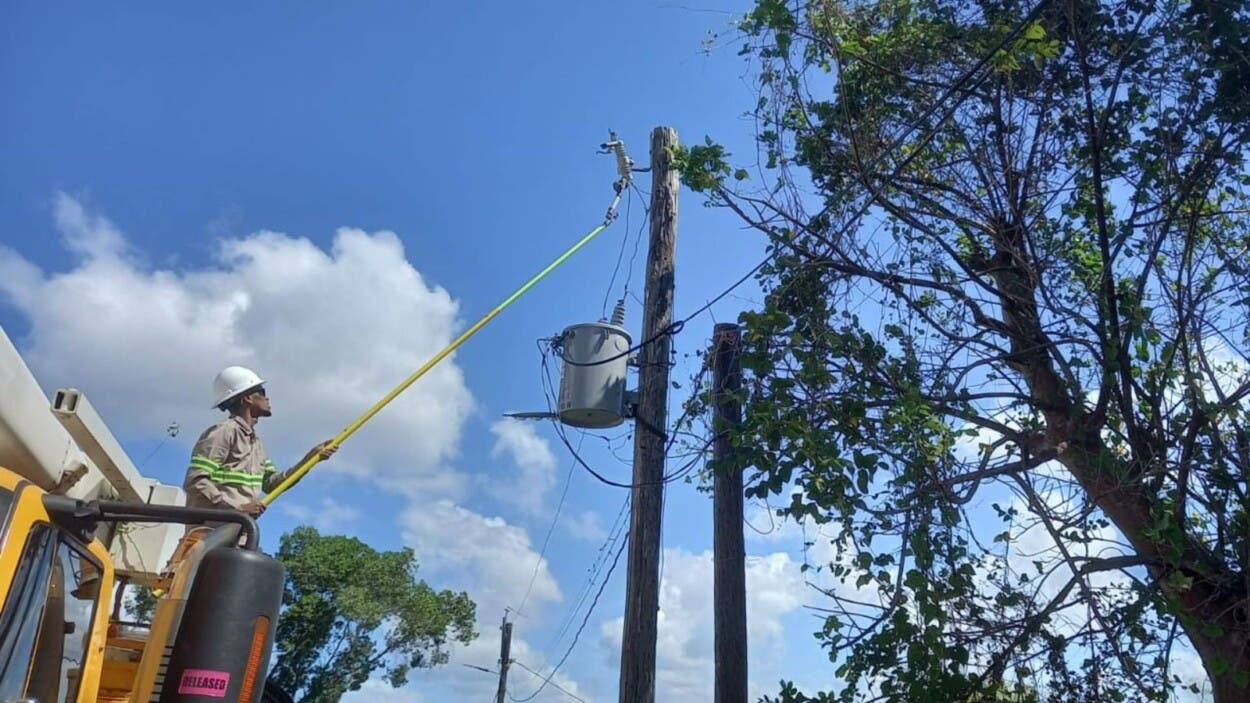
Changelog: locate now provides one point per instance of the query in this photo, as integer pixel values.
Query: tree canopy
(350, 610)
(1002, 361)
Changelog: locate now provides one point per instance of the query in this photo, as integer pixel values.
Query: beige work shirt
(229, 467)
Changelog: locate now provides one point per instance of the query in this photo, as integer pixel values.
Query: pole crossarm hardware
(624, 169)
(624, 165)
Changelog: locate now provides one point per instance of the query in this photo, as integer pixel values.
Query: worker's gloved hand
(254, 508)
(325, 450)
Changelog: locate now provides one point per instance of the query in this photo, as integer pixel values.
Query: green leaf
(1039, 255)
(342, 598)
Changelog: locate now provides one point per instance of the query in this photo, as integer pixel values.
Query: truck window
(6, 501)
(20, 620)
(46, 625)
(78, 577)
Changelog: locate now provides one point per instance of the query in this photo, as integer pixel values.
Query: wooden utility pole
(729, 587)
(505, 658)
(642, 586)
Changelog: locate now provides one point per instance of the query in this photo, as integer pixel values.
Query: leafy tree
(350, 610)
(1010, 272)
(141, 605)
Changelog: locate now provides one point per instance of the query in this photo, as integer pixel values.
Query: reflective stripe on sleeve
(219, 474)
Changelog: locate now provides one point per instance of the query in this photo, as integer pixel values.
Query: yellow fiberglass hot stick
(305, 467)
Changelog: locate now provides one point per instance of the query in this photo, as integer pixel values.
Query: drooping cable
(568, 479)
(581, 627)
(553, 684)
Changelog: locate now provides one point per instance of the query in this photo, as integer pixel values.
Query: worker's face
(259, 400)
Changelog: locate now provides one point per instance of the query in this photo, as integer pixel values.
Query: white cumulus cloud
(465, 681)
(585, 526)
(528, 486)
(494, 560)
(328, 516)
(331, 331)
(684, 650)
(85, 233)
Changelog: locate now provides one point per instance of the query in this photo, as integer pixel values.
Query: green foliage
(1031, 282)
(704, 167)
(350, 610)
(141, 605)
(1032, 45)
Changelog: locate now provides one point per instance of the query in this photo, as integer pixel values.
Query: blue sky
(185, 188)
(330, 193)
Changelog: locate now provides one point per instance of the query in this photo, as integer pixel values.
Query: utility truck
(78, 523)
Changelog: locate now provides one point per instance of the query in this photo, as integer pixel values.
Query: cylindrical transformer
(592, 386)
(221, 652)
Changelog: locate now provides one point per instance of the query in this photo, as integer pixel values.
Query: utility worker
(229, 467)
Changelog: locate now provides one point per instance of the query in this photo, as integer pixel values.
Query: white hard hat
(232, 381)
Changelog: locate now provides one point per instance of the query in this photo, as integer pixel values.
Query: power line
(673, 328)
(547, 539)
(620, 255)
(548, 390)
(593, 572)
(596, 567)
(646, 211)
(676, 327)
(557, 686)
(931, 131)
(677, 475)
(578, 634)
(171, 430)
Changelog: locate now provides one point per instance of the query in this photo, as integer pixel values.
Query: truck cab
(78, 524)
(53, 625)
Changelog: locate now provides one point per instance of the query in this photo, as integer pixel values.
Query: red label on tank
(203, 682)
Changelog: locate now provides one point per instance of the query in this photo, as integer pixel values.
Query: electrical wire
(676, 327)
(620, 255)
(772, 524)
(956, 87)
(300, 471)
(568, 479)
(171, 430)
(646, 212)
(677, 475)
(596, 568)
(554, 685)
(578, 634)
(563, 436)
(672, 328)
(548, 389)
